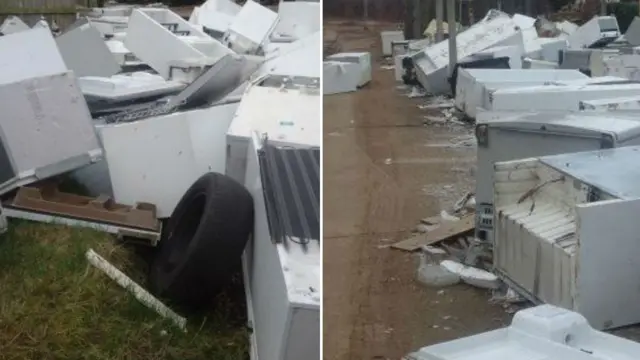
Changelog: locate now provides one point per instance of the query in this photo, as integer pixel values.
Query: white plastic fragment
(138, 292)
(471, 275)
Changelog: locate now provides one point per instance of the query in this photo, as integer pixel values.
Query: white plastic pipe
(138, 291)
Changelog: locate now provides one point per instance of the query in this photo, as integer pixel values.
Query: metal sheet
(614, 171)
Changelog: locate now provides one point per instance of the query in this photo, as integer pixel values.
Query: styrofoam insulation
(33, 54)
(85, 52)
(167, 46)
(251, 28)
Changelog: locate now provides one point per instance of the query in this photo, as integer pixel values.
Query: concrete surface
(384, 171)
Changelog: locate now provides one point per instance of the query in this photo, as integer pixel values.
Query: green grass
(54, 305)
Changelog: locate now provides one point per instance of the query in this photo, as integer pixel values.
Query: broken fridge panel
(518, 136)
(251, 28)
(281, 262)
(46, 129)
(174, 39)
(551, 216)
(85, 52)
(542, 332)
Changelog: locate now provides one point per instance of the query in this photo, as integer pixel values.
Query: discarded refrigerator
(566, 232)
(518, 136)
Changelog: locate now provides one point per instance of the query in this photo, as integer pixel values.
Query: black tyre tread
(216, 247)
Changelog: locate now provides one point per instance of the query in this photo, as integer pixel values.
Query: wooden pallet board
(446, 230)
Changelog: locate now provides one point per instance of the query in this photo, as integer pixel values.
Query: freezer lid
(613, 171)
(542, 333)
(620, 127)
(291, 179)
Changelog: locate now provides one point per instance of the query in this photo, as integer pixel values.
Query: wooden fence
(396, 10)
(62, 11)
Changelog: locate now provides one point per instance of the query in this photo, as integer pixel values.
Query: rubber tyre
(203, 242)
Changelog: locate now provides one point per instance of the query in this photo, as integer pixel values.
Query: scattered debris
(446, 230)
(472, 276)
(435, 275)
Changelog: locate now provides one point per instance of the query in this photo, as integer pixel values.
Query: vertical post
(409, 20)
(453, 50)
(365, 5)
(603, 7)
(439, 19)
(418, 17)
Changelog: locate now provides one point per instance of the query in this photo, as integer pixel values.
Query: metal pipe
(439, 19)
(453, 50)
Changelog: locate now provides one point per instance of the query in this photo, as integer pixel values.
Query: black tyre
(204, 240)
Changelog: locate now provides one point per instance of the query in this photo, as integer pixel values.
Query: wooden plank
(446, 230)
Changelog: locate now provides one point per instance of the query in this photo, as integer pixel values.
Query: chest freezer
(472, 83)
(542, 333)
(566, 232)
(556, 96)
(519, 136)
(362, 59)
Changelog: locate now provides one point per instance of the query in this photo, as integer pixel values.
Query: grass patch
(54, 305)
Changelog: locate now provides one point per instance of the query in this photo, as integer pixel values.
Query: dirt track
(383, 171)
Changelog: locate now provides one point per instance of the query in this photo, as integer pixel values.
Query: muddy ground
(384, 170)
